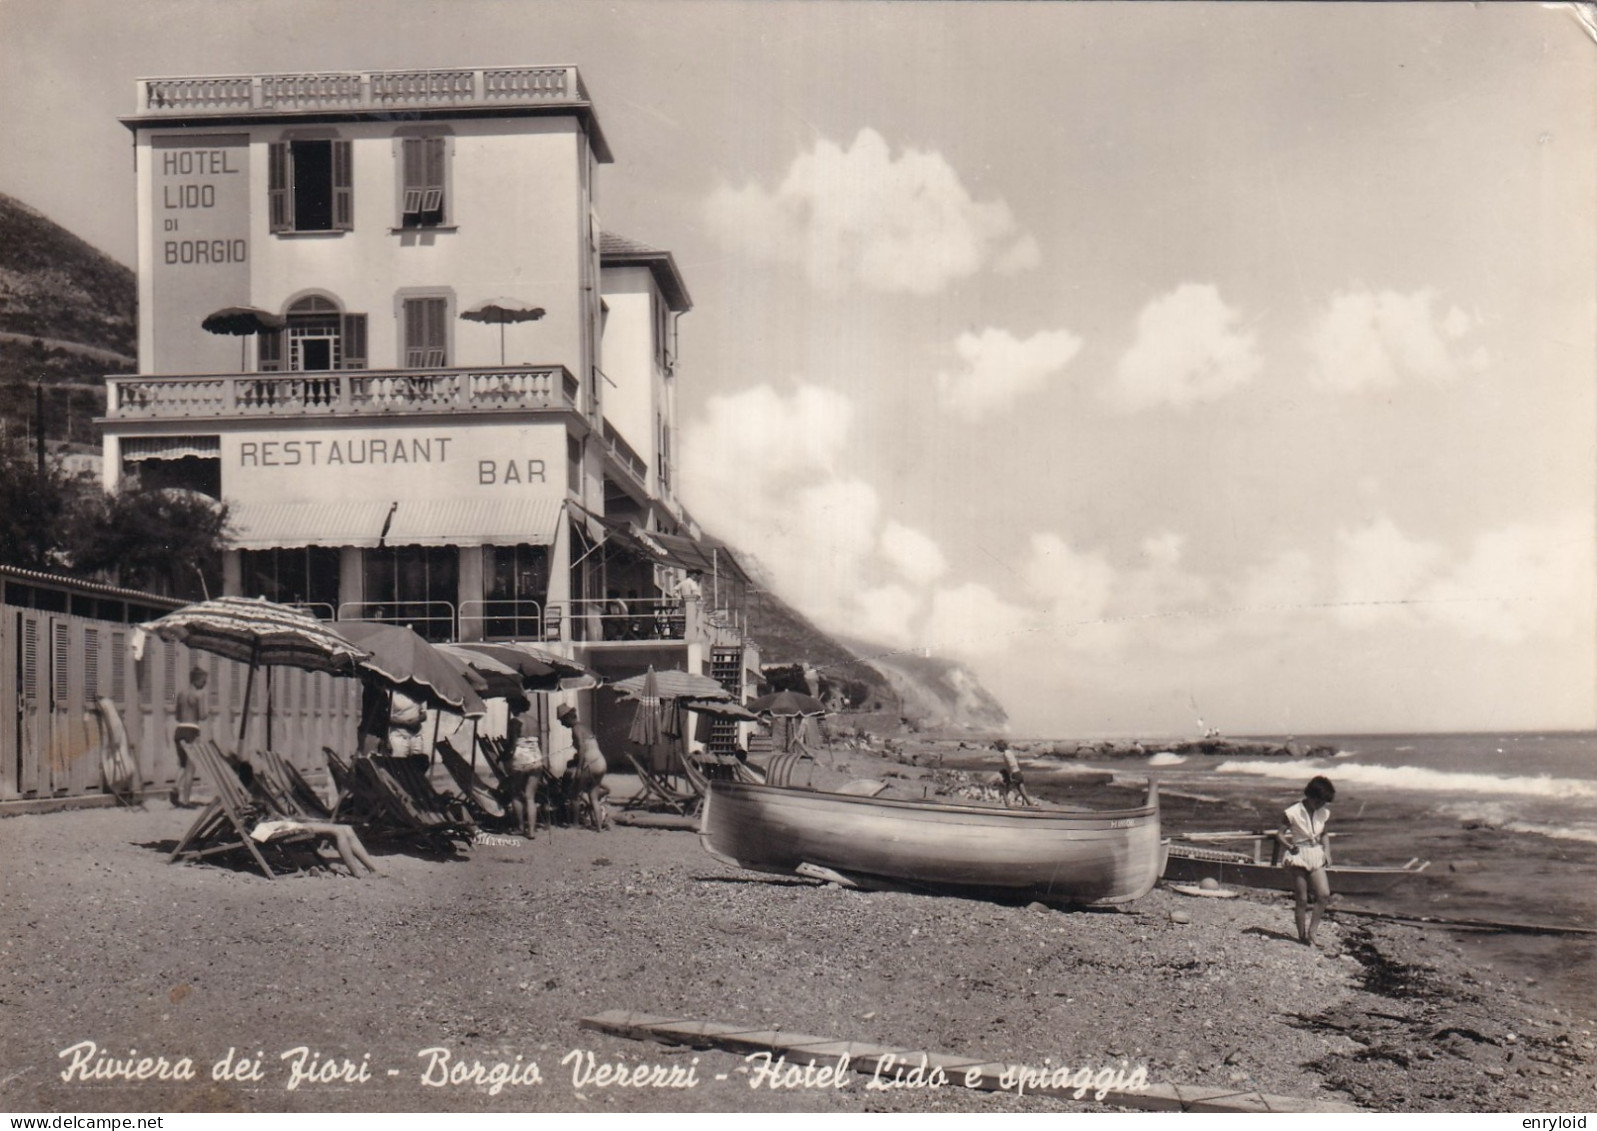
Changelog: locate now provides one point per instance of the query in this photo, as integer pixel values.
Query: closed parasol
(242, 322)
(648, 721)
(500, 312)
(255, 632)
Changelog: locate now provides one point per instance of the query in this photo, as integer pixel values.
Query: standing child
(1308, 853)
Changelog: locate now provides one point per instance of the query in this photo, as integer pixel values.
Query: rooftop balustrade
(493, 87)
(375, 392)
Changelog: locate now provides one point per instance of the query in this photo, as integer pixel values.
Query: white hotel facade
(381, 458)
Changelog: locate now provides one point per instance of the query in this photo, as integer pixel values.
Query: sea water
(1508, 821)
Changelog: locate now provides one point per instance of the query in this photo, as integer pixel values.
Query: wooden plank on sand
(962, 1071)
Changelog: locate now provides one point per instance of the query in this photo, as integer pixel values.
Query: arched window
(319, 337)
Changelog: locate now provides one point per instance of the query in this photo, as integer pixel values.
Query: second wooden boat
(1047, 855)
(1192, 863)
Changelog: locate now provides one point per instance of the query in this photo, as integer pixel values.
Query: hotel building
(384, 455)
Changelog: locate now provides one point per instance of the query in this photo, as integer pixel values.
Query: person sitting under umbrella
(349, 847)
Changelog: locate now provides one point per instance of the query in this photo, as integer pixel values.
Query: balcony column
(351, 575)
(469, 592)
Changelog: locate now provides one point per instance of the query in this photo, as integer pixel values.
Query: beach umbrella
(647, 721)
(500, 312)
(500, 680)
(400, 658)
(673, 685)
(787, 705)
(242, 322)
(720, 708)
(256, 632)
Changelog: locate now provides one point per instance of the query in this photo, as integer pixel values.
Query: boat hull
(1016, 854)
(1345, 879)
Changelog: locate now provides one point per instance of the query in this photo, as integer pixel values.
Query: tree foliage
(161, 540)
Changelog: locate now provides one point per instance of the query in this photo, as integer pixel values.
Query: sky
(1173, 366)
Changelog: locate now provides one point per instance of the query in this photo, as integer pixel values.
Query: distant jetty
(1208, 746)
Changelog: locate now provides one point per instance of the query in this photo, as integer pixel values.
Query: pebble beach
(461, 985)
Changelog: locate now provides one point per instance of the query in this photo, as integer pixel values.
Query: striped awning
(475, 522)
(265, 526)
(137, 448)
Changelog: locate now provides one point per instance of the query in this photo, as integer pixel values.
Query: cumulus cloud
(1073, 586)
(1188, 350)
(768, 471)
(919, 559)
(1379, 571)
(972, 620)
(997, 368)
(1371, 340)
(865, 217)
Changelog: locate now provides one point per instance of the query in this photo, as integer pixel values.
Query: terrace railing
(373, 392)
(357, 90)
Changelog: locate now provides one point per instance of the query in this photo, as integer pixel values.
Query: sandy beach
(385, 986)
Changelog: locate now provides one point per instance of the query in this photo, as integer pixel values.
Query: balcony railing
(624, 455)
(373, 392)
(358, 90)
(509, 619)
(652, 618)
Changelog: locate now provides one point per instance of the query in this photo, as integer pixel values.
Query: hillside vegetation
(55, 288)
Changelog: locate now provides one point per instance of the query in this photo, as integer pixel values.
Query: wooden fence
(54, 666)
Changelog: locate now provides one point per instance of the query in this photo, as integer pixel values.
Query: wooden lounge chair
(225, 824)
(288, 781)
(407, 802)
(477, 793)
(656, 787)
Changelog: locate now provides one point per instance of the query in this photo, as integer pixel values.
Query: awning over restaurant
(474, 522)
(138, 448)
(708, 558)
(263, 526)
(426, 522)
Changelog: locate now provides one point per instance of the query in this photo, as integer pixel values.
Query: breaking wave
(1420, 779)
(1166, 758)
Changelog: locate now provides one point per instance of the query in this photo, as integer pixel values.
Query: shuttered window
(270, 350)
(119, 683)
(30, 658)
(91, 666)
(60, 665)
(423, 175)
(310, 186)
(354, 342)
(426, 333)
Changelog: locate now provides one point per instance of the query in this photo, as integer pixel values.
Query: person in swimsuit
(1011, 781)
(588, 766)
(189, 712)
(1308, 853)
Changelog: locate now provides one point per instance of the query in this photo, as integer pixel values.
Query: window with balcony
(310, 185)
(423, 182)
(425, 323)
(319, 336)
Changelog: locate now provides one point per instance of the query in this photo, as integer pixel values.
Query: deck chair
(225, 824)
(657, 788)
(288, 787)
(477, 793)
(782, 768)
(409, 804)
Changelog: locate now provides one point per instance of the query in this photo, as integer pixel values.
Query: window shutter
(343, 187)
(437, 332)
(279, 187)
(269, 346)
(354, 343)
(433, 197)
(414, 174)
(426, 333)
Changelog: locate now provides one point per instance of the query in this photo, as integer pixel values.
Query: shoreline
(500, 955)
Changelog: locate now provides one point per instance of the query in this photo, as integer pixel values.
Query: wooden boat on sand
(1052, 856)
(1200, 857)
